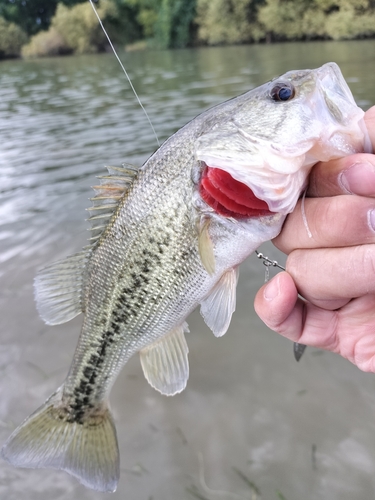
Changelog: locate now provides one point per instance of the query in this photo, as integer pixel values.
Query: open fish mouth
(256, 161)
(230, 197)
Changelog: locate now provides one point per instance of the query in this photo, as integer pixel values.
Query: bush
(345, 24)
(12, 37)
(73, 30)
(45, 43)
(283, 19)
(301, 19)
(79, 26)
(226, 21)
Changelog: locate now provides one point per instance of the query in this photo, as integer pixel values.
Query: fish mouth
(229, 197)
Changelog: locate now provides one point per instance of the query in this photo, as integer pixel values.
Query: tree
(124, 27)
(229, 21)
(174, 23)
(169, 23)
(303, 19)
(11, 39)
(32, 15)
(74, 30)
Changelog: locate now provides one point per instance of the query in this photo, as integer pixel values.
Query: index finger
(354, 174)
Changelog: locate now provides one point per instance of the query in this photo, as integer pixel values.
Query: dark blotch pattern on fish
(128, 306)
(82, 402)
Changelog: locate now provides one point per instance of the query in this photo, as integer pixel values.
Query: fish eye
(282, 92)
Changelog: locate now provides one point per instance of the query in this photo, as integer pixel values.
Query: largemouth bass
(170, 237)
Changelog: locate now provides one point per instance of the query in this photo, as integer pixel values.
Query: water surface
(306, 431)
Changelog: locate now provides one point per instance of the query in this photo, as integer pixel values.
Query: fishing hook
(298, 349)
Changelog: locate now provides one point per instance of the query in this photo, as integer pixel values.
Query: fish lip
(348, 134)
(337, 94)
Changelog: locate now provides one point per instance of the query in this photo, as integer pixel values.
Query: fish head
(268, 139)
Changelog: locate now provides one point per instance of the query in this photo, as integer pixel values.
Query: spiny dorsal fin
(59, 286)
(108, 193)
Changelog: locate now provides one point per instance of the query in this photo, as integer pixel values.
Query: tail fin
(86, 449)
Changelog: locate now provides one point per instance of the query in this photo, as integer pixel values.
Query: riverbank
(160, 24)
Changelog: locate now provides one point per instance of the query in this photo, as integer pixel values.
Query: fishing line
(124, 70)
(304, 218)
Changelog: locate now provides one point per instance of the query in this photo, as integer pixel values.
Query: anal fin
(217, 308)
(165, 362)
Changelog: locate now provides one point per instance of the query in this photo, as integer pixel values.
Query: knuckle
(341, 221)
(297, 263)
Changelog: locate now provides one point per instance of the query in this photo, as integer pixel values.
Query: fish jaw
(271, 146)
(344, 130)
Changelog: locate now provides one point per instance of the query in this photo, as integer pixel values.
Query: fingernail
(358, 179)
(272, 290)
(371, 219)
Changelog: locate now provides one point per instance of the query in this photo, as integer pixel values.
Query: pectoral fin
(217, 308)
(206, 250)
(165, 362)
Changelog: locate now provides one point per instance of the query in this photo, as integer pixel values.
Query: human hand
(334, 270)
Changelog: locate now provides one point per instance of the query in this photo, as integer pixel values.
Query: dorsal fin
(59, 286)
(108, 193)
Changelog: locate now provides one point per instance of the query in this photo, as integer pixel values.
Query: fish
(169, 237)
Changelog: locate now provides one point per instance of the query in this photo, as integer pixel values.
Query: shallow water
(305, 431)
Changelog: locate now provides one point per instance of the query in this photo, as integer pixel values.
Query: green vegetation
(75, 30)
(166, 23)
(72, 30)
(312, 19)
(12, 37)
(69, 26)
(32, 15)
(254, 488)
(228, 22)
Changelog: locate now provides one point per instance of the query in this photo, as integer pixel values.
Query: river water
(301, 431)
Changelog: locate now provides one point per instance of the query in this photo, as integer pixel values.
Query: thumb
(277, 305)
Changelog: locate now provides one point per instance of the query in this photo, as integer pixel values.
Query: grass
(280, 495)
(193, 490)
(250, 483)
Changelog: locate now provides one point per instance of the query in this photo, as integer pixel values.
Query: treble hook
(298, 349)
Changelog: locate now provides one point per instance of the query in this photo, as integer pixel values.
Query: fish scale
(136, 298)
(159, 249)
